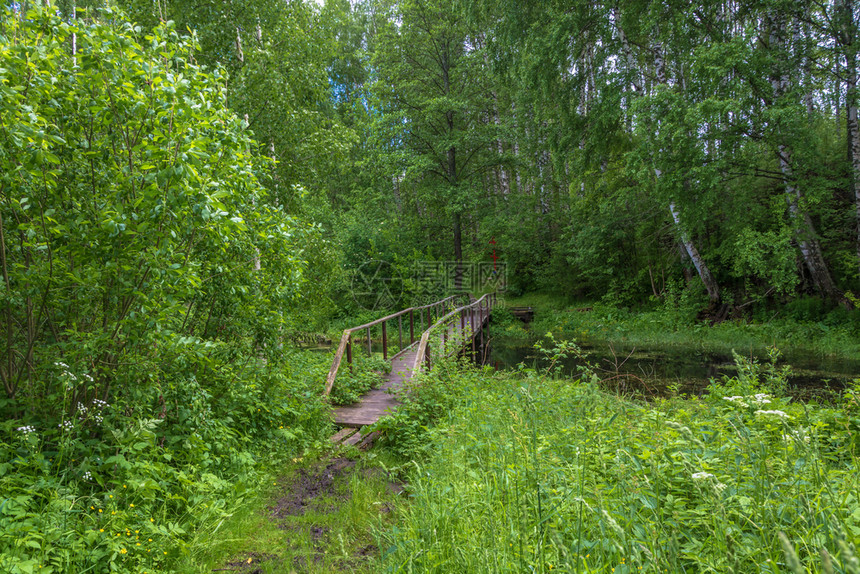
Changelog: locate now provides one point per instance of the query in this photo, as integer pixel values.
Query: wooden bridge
(450, 326)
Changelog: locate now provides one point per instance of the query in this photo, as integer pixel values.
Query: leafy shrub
(366, 373)
(145, 273)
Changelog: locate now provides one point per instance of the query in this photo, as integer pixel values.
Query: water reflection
(654, 370)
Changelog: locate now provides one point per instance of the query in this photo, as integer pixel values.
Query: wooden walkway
(383, 399)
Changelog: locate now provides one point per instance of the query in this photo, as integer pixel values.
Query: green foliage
(671, 324)
(531, 473)
(365, 373)
(146, 276)
(426, 398)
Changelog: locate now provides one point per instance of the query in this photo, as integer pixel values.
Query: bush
(145, 277)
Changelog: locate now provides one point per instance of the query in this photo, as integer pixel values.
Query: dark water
(655, 371)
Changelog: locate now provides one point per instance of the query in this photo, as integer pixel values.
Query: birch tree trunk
(804, 229)
(847, 36)
(702, 269)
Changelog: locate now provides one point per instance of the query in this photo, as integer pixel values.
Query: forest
(197, 197)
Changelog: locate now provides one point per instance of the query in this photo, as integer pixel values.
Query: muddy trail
(321, 518)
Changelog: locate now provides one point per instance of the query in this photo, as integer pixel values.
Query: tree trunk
(701, 267)
(804, 229)
(699, 263)
(847, 36)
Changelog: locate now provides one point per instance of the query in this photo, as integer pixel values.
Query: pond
(656, 371)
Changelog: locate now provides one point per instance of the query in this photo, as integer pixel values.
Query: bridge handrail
(345, 339)
(421, 354)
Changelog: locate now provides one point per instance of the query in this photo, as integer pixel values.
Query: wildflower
(760, 399)
(123, 551)
(131, 505)
(88, 476)
(66, 425)
(780, 414)
(26, 429)
(702, 475)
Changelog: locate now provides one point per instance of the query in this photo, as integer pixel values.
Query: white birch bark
(804, 229)
(702, 269)
(632, 68)
(848, 38)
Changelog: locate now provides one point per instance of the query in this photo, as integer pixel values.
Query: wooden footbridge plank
(383, 399)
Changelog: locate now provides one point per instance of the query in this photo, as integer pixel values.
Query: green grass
(334, 532)
(835, 333)
(528, 473)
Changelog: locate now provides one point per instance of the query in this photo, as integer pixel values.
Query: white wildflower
(797, 435)
(66, 425)
(88, 476)
(780, 414)
(702, 475)
(760, 399)
(26, 429)
(738, 400)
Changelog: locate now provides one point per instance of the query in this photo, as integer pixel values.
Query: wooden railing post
(411, 328)
(400, 332)
(349, 351)
(384, 341)
(369, 346)
(472, 331)
(429, 324)
(427, 354)
(463, 321)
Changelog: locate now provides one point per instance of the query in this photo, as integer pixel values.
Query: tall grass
(530, 473)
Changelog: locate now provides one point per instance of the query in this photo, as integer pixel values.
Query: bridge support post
(369, 346)
(384, 341)
(400, 332)
(481, 314)
(411, 328)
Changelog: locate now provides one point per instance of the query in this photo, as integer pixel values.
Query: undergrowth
(138, 484)
(833, 333)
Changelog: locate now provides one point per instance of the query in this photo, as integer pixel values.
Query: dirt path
(320, 518)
